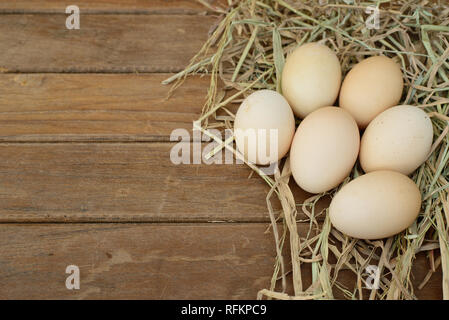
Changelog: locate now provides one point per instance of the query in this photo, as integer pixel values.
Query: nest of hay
(246, 51)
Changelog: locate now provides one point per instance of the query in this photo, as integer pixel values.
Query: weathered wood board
(108, 6)
(96, 107)
(148, 261)
(104, 42)
(84, 137)
(122, 182)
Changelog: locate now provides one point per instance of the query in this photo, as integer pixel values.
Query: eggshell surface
(324, 149)
(311, 78)
(376, 205)
(398, 139)
(263, 116)
(370, 87)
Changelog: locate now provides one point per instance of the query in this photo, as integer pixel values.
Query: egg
(264, 127)
(376, 205)
(311, 78)
(373, 85)
(398, 139)
(324, 149)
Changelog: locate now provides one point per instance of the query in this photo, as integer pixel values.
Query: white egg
(264, 127)
(376, 205)
(311, 78)
(324, 149)
(398, 139)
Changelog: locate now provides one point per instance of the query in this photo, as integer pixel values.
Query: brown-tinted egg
(376, 205)
(370, 87)
(398, 139)
(324, 149)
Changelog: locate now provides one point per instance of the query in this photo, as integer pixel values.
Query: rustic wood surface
(108, 6)
(88, 182)
(93, 146)
(142, 261)
(122, 182)
(104, 43)
(96, 107)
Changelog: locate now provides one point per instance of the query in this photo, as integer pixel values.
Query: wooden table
(85, 173)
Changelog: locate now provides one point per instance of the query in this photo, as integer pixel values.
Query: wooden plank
(120, 261)
(148, 261)
(123, 182)
(104, 43)
(103, 6)
(96, 107)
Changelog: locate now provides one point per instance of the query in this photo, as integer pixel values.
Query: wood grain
(148, 261)
(103, 6)
(96, 107)
(123, 182)
(135, 261)
(104, 43)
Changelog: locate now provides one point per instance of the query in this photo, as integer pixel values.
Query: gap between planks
(48, 131)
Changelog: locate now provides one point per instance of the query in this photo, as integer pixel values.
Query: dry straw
(246, 51)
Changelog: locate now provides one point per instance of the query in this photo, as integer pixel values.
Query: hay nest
(246, 51)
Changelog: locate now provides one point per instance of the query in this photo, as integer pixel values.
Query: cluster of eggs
(323, 150)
